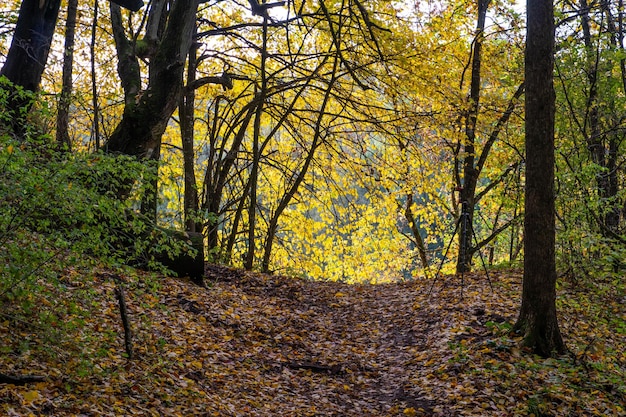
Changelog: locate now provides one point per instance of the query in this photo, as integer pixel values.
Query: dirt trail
(362, 346)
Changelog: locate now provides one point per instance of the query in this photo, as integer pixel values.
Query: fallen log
(315, 367)
(21, 379)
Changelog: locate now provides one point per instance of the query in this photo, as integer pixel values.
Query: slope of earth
(261, 345)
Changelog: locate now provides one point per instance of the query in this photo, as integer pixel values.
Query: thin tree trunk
(417, 237)
(611, 216)
(186, 110)
(94, 79)
(63, 108)
(594, 137)
(218, 170)
(291, 192)
(254, 172)
(470, 173)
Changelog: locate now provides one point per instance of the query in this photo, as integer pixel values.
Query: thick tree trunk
(146, 113)
(31, 43)
(185, 265)
(537, 320)
(28, 54)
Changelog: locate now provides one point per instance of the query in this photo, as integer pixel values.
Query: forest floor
(262, 345)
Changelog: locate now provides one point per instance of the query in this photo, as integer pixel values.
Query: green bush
(58, 208)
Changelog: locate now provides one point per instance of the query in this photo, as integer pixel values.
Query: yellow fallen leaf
(30, 396)
(409, 412)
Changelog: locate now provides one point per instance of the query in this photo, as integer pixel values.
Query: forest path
(364, 344)
(253, 345)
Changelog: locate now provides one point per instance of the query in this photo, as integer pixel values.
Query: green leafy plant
(60, 211)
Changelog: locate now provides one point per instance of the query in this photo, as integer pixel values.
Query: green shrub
(58, 208)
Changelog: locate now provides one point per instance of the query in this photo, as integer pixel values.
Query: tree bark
(146, 113)
(28, 53)
(537, 321)
(186, 112)
(95, 133)
(470, 173)
(417, 237)
(601, 140)
(63, 109)
(219, 169)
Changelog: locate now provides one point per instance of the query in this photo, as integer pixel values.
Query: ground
(264, 345)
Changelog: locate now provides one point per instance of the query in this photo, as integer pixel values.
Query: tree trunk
(63, 108)
(417, 237)
(611, 216)
(600, 139)
(185, 265)
(186, 112)
(256, 154)
(537, 320)
(219, 169)
(146, 113)
(28, 54)
(95, 132)
(470, 173)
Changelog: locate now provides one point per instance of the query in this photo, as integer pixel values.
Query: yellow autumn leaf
(410, 411)
(30, 396)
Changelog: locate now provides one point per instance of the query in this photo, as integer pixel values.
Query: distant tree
(537, 320)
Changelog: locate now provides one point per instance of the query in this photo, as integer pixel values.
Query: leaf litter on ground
(265, 345)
